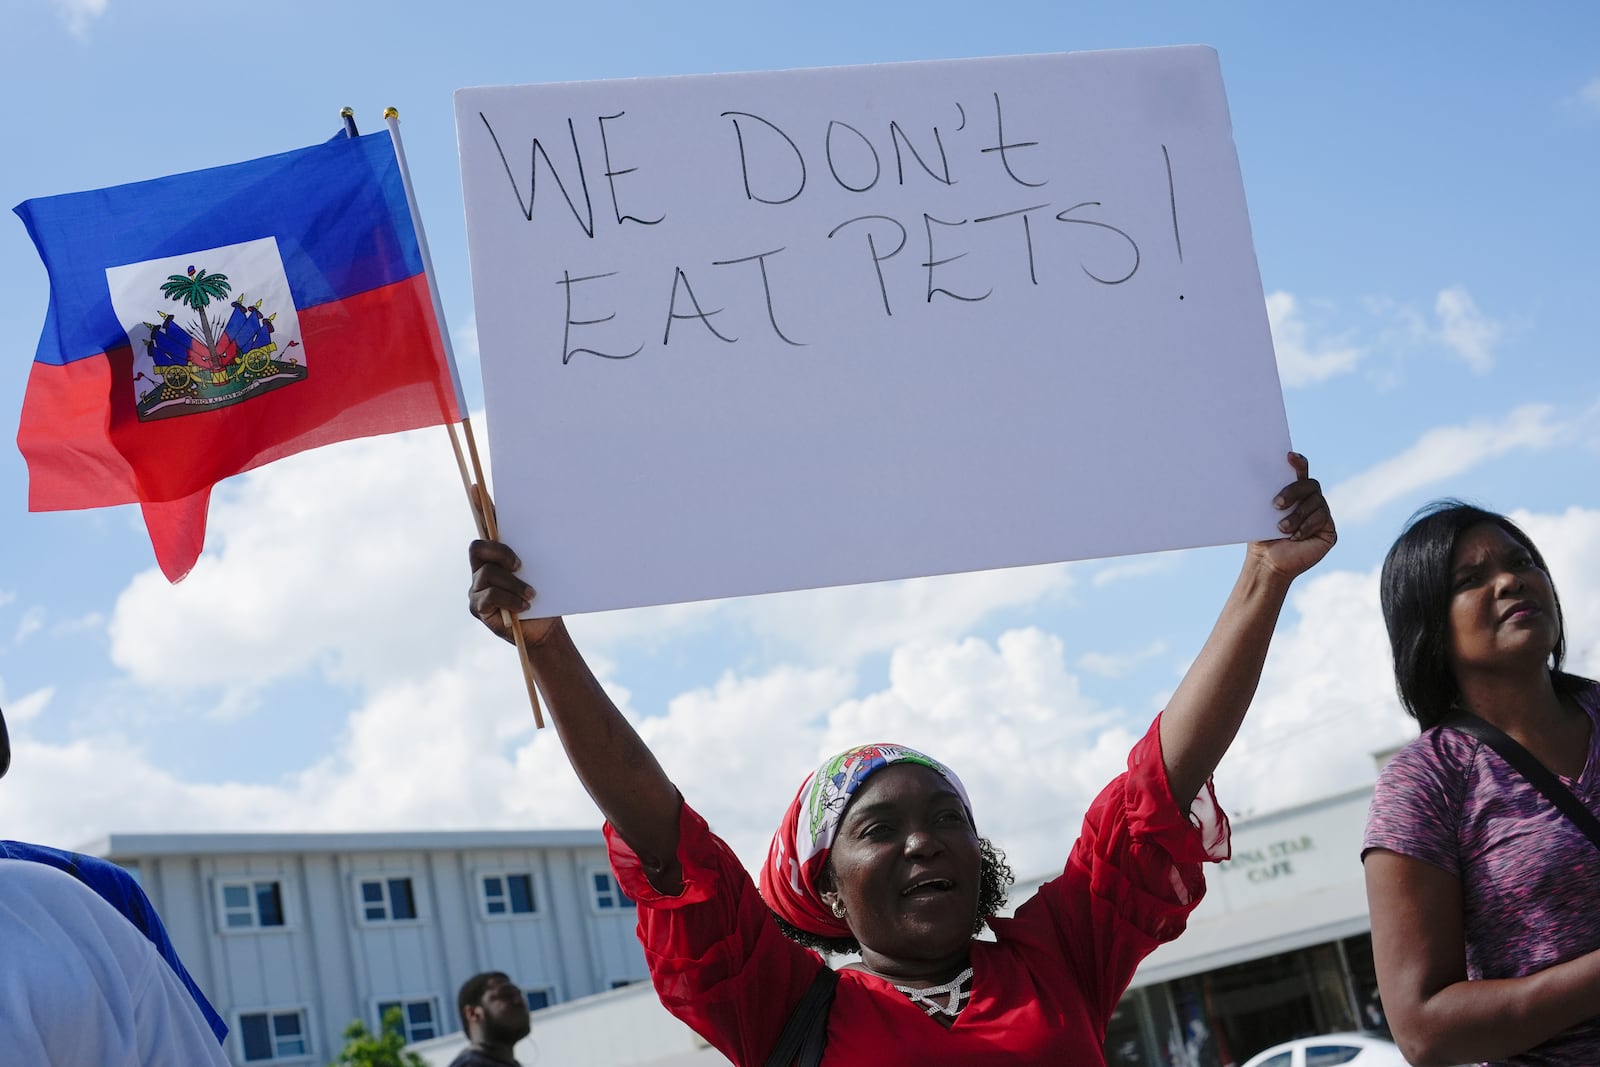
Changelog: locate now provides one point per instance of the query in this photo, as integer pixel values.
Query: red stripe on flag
(62, 436)
(375, 366)
(177, 531)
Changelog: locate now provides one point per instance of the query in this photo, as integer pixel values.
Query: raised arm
(1436, 1014)
(1205, 712)
(611, 759)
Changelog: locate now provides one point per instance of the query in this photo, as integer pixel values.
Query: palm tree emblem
(211, 362)
(197, 289)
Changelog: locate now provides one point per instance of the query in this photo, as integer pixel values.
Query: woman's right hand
(496, 590)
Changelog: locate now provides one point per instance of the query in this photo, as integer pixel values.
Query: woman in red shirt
(879, 853)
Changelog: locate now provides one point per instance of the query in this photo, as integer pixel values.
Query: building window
(608, 896)
(538, 998)
(387, 900)
(418, 1022)
(508, 894)
(251, 905)
(269, 1036)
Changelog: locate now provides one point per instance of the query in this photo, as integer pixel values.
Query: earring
(837, 907)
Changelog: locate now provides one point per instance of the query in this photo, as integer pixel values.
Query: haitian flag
(207, 323)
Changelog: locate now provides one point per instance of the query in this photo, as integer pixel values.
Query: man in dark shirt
(494, 1014)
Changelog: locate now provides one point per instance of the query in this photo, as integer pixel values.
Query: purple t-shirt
(1530, 879)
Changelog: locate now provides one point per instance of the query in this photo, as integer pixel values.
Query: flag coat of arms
(206, 323)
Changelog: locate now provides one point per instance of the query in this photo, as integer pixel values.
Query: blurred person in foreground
(879, 853)
(87, 974)
(1483, 894)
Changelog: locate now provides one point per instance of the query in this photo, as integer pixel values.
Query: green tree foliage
(196, 289)
(363, 1048)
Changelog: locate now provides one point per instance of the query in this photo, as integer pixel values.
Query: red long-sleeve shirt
(1042, 991)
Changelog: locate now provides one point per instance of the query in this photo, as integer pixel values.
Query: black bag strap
(807, 1029)
(1537, 774)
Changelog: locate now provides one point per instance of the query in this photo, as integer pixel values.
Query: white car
(1354, 1050)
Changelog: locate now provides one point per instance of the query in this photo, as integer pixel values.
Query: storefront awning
(1312, 918)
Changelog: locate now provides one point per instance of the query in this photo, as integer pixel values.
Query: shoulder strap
(1537, 774)
(807, 1029)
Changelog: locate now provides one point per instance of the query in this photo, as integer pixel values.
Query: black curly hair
(994, 876)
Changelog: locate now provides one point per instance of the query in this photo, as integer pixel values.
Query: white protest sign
(751, 332)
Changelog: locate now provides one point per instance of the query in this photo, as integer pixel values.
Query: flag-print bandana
(799, 851)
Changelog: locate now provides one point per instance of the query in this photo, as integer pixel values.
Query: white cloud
(80, 13)
(32, 622)
(438, 750)
(27, 707)
(450, 747)
(1325, 704)
(62, 794)
(1011, 720)
(464, 342)
(1456, 324)
(640, 628)
(738, 750)
(1589, 95)
(454, 747)
(235, 702)
(1107, 665)
(1464, 329)
(1118, 570)
(1570, 544)
(1441, 454)
(843, 624)
(85, 623)
(349, 558)
(1300, 360)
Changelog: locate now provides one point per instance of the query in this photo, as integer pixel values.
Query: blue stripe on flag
(337, 209)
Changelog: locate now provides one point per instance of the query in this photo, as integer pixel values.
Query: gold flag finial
(346, 112)
(391, 112)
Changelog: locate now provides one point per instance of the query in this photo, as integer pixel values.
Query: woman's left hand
(1307, 525)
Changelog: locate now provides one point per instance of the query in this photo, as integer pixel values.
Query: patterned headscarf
(799, 851)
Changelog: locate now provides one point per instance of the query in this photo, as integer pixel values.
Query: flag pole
(477, 489)
(392, 118)
(349, 116)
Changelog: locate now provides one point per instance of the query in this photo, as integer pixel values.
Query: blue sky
(1420, 180)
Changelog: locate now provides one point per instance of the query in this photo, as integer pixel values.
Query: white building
(1280, 947)
(293, 936)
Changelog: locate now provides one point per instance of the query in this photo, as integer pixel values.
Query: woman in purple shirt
(1485, 917)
